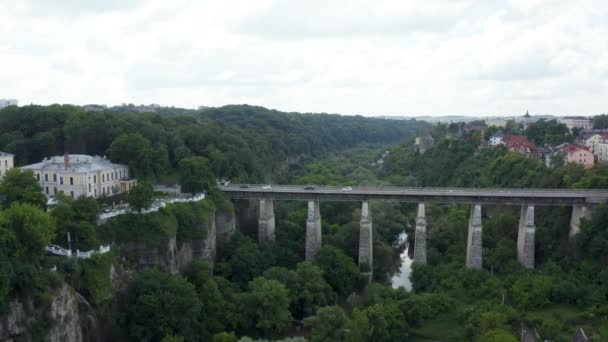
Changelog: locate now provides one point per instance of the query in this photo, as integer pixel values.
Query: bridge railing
(279, 188)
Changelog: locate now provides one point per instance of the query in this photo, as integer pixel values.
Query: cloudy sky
(380, 57)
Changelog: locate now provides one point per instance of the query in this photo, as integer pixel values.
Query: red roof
(571, 148)
(518, 141)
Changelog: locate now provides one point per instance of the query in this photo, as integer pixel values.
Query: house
(579, 155)
(7, 162)
(496, 139)
(576, 122)
(520, 144)
(81, 175)
(424, 143)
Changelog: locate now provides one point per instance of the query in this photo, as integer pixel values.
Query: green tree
(266, 306)
(33, 228)
(329, 325)
(141, 196)
(600, 121)
(497, 335)
(21, 186)
(160, 304)
(339, 270)
(195, 175)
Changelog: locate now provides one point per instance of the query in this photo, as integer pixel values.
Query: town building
(579, 155)
(7, 102)
(520, 144)
(81, 175)
(496, 139)
(576, 122)
(7, 162)
(424, 143)
(601, 152)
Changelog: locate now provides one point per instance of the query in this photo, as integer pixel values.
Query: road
(403, 194)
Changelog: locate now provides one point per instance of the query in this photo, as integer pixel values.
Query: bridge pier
(420, 237)
(578, 212)
(525, 237)
(313, 230)
(366, 242)
(474, 241)
(266, 220)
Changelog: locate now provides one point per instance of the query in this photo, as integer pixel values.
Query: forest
(265, 291)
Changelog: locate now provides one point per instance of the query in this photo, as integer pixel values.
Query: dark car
(244, 186)
(309, 187)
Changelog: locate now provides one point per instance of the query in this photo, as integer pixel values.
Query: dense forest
(238, 142)
(260, 291)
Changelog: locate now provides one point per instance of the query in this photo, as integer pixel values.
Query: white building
(496, 139)
(7, 162)
(7, 102)
(81, 175)
(576, 122)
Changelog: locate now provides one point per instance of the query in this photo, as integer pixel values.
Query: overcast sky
(393, 57)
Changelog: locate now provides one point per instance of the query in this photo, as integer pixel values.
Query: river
(401, 278)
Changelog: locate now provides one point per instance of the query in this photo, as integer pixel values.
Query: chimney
(66, 160)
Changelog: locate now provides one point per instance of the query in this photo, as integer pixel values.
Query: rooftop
(4, 154)
(76, 163)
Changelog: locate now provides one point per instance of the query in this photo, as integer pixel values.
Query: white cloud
(352, 57)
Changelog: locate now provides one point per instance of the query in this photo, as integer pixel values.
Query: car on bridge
(310, 187)
(267, 187)
(245, 186)
(347, 188)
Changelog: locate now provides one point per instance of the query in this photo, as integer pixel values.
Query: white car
(348, 188)
(267, 187)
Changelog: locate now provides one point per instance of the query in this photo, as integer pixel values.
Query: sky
(380, 57)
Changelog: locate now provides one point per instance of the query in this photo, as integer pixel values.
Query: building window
(46, 190)
(46, 177)
(38, 177)
(71, 180)
(103, 178)
(55, 191)
(95, 179)
(54, 177)
(89, 187)
(72, 194)
(61, 180)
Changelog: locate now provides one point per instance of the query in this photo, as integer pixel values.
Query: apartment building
(7, 162)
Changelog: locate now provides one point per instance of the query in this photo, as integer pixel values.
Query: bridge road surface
(504, 196)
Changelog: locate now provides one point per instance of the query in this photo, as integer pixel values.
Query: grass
(444, 328)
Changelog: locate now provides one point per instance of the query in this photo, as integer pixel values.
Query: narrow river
(401, 278)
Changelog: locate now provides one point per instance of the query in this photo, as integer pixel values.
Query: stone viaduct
(581, 201)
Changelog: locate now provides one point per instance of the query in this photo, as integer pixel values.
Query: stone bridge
(581, 201)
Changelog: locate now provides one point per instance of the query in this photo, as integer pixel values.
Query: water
(402, 277)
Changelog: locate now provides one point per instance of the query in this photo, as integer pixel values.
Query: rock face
(225, 224)
(13, 325)
(65, 314)
(168, 254)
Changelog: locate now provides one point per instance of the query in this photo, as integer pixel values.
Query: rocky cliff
(64, 314)
(169, 254)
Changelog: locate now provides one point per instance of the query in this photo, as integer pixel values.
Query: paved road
(444, 195)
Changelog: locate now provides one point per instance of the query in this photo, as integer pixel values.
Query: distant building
(579, 155)
(498, 122)
(424, 143)
(526, 119)
(576, 122)
(7, 102)
(7, 162)
(598, 145)
(81, 175)
(520, 144)
(496, 139)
